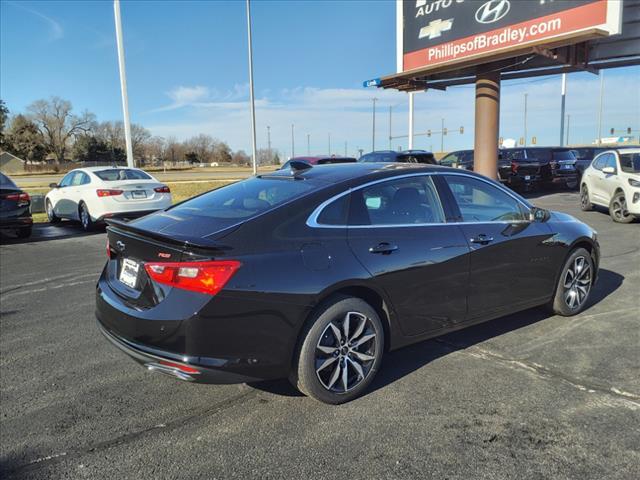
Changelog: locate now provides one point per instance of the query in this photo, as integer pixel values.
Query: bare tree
(57, 124)
(202, 145)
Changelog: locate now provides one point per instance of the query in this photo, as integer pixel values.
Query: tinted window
(379, 157)
(630, 162)
(514, 154)
(5, 182)
(416, 158)
(404, 201)
(115, 174)
(480, 201)
(335, 213)
(243, 200)
(66, 181)
(450, 159)
(540, 154)
(563, 155)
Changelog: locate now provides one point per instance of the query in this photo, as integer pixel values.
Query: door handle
(383, 248)
(481, 239)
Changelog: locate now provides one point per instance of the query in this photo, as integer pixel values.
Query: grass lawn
(179, 192)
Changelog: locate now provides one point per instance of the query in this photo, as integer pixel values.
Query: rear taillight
(514, 167)
(108, 249)
(162, 189)
(108, 192)
(204, 277)
(21, 198)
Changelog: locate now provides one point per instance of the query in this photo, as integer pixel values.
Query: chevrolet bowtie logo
(435, 28)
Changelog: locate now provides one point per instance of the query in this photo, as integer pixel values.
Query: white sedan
(93, 194)
(613, 181)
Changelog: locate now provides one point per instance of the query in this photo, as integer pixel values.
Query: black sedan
(313, 273)
(15, 211)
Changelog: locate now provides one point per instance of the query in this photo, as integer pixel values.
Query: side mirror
(609, 170)
(53, 185)
(538, 214)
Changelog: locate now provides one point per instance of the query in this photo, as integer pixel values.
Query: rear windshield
(417, 158)
(563, 155)
(116, 174)
(5, 182)
(243, 200)
(379, 157)
(630, 162)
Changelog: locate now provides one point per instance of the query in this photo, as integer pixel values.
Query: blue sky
(187, 74)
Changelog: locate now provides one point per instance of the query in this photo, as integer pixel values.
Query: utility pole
(442, 135)
(373, 140)
(601, 107)
(562, 107)
(269, 142)
(293, 146)
(251, 97)
(123, 85)
(525, 118)
(390, 120)
(411, 94)
(329, 144)
(345, 149)
(568, 124)
(308, 144)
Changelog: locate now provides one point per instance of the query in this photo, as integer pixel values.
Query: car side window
(335, 213)
(85, 179)
(610, 161)
(66, 180)
(450, 159)
(598, 163)
(402, 201)
(480, 201)
(77, 179)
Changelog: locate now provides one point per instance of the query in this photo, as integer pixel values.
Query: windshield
(5, 182)
(379, 157)
(630, 162)
(563, 155)
(243, 200)
(116, 174)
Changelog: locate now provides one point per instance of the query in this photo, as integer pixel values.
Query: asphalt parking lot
(525, 396)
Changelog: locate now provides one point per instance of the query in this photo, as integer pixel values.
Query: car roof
(98, 169)
(342, 172)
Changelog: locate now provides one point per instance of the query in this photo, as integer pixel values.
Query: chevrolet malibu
(94, 194)
(313, 273)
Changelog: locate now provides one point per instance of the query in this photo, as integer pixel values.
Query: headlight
(634, 183)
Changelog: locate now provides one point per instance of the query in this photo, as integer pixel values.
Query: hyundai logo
(492, 11)
(120, 245)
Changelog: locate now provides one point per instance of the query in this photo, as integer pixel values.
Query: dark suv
(531, 167)
(405, 156)
(464, 159)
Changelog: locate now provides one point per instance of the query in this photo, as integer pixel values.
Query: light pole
(373, 139)
(269, 142)
(601, 107)
(442, 135)
(308, 144)
(329, 144)
(123, 84)
(562, 107)
(525, 118)
(390, 120)
(410, 146)
(251, 98)
(293, 146)
(345, 148)
(568, 125)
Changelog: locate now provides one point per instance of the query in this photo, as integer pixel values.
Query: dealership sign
(445, 32)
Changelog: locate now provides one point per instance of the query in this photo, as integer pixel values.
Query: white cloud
(346, 114)
(56, 32)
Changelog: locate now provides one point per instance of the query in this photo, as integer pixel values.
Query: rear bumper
(16, 222)
(126, 215)
(182, 367)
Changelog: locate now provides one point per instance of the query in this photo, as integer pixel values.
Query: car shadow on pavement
(43, 232)
(402, 362)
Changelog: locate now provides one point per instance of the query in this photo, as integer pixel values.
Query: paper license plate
(129, 272)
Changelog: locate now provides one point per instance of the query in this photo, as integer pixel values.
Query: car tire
(24, 232)
(330, 366)
(51, 215)
(574, 284)
(585, 201)
(85, 217)
(618, 209)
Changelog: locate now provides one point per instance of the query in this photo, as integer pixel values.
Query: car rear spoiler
(202, 243)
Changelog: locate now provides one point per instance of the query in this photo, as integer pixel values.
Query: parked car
(406, 156)
(530, 167)
(585, 156)
(94, 194)
(15, 208)
(321, 160)
(465, 159)
(613, 181)
(313, 274)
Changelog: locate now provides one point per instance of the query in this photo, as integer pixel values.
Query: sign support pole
(562, 108)
(487, 120)
(411, 94)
